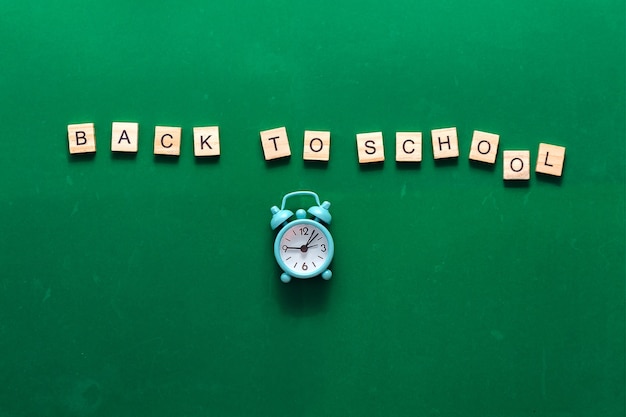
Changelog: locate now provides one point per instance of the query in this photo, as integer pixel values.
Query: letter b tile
(81, 138)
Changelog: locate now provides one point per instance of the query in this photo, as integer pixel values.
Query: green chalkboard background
(135, 285)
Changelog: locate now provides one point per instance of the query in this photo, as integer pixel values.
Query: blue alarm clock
(304, 247)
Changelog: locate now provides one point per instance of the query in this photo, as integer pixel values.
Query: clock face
(304, 248)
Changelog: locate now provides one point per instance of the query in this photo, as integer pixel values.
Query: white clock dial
(305, 249)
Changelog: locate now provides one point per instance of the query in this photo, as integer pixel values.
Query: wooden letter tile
(484, 147)
(516, 165)
(409, 146)
(550, 159)
(167, 140)
(206, 141)
(81, 138)
(370, 147)
(445, 143)
(316, 146)
(275, 143)
(124, 137)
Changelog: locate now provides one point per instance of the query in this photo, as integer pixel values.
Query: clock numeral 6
(304, 266)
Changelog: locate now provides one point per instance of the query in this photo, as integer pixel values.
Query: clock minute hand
(302, 248)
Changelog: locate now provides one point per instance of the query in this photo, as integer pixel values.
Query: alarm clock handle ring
(296, 193)
(281, 215)
(319, 212)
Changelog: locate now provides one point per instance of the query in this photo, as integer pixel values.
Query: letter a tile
(275, 143)
(124, 137)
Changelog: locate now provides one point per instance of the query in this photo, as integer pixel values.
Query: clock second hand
(313, 235)
(304, 247)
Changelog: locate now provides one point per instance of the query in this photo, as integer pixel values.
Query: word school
(370, 147)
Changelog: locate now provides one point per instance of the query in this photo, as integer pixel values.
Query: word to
(370, 147)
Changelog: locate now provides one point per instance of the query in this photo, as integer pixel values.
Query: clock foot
(285, 278)
(327, 274)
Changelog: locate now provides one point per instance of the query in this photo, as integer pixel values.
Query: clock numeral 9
(304, 266)
(285, 248)
(304, 231)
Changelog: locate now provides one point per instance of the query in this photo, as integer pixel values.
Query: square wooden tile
(370, 147)
(550, 159)
(81, 138)
(409, 146)
(316, 145)
(167, 140)
(206, 141)
(124, 137)
(275, 143)
(516, 165)
(484, 147)
(445, 143)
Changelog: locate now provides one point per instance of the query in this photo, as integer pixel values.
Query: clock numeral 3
(323, 247)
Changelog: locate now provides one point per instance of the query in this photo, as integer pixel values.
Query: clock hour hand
(313, 236)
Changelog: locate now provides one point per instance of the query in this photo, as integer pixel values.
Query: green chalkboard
(139, 285)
